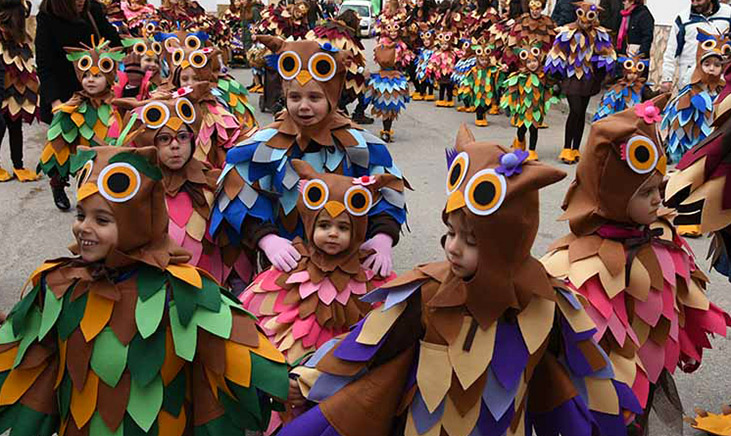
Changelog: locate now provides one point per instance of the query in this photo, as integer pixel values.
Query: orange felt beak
(455, 201)
(334, 208)
(86, 190)
(662, 165)
(303, 77)
(174, 123)
(185, 64)
(94, 70)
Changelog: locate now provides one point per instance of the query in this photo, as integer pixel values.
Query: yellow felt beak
(303, 77)
(174, 123)
(150, 53)
(86, 190)
(185, 64)
(662, 165)
(334, 208)
(94, 70)
(455, 201)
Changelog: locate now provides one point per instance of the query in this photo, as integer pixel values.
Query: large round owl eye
(119, 182)
(192, 42)
(85, 63)
(524, 54)
(172, 43)
(396, 26)
(178, 56)
(628, 64)
(389, 27)
(640, 66)
(315, 194)
(440, 37)
(157, 48)
(478, 51)
(106, 65)
(535, 51)
(139, 48)
(485, 192)
(150, 27)
(358, 200)
(642, 154)
(289, 65)
(580, 13)
(185, 110)
(322, 67)
(155, 115)
(457, 172)
(591, 15)
(726, 49)
(84, 173)
(466, 45)
(709, 44)
(198, 59)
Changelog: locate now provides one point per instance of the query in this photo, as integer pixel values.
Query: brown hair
(65, 9)
(12, 19)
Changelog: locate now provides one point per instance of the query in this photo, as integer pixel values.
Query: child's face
(307, 105)
(332, 235)
(532, 64)
(631, 77)
(95, 228)
(150, 63)
(642, 207)
(187, 77)
(174, 148)
(461, 246)
(94, 84)
(712, 66)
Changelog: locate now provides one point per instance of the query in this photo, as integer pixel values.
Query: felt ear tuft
(304, 169)
(464, 137)
(273, 43)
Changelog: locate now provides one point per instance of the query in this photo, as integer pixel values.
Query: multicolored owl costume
(320, 299)
(466, 60)
(392, 34)
(689, 115)
(189, 191)
(640, 284)
(388, 89)
(261, 165)
(444, 58)
(84, 119)
(699, 192)
(626, 93)
(137, 343)
(148, 80)
(580, 57)
(481, 85)
(20, 100)
(424, 82)
(529, 30)
(528, 95)
(441, 356)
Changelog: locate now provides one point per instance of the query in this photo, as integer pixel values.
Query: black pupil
(358, 200)
(140, 48)
(118, 183)
(288, 64)
(314, 195)
(484, 193)
(154, 115)
(198, 59)
(322, 67)
(85, 62)
(82, 177)
(105, 64)
(456, 172)
(186, 110)
(191, 43)
(642, 154)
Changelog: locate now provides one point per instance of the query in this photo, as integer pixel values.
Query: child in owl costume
(440, 355)
(480, 85)
(424, 82)
(189, 183)
(141, 71)
(640, 283)
(689, 116)
(258, 192)
(88, 118)
(631, 89)
(126, 337)
(388, 89)
(527, 97)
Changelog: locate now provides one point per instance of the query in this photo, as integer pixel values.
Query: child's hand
(280, 252)
(294, 397)
(380, 261)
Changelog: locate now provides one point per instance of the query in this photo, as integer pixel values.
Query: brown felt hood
(621, 153)
(337, 194)
(385, 54)
(507, 275)
(709, 45)
(97, 59)
(130, 182)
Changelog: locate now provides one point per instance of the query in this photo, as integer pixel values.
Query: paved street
(32, 229)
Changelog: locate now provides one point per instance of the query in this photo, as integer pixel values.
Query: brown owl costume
(140, 342)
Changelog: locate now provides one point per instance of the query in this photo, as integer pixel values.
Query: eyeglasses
(163, 139)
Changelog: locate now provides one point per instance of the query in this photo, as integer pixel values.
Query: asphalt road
(32, 229)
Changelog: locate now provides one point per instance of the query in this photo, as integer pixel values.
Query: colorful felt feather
(527, 98)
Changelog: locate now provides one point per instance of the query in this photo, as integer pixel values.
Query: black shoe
(361, 118)
(60, 199)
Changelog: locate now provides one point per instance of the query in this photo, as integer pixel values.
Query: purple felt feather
(353, 351)
(487, 425)
(312, 423)
(451, 155)
(511, 355)
(572, 418)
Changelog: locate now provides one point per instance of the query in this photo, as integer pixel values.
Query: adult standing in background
(564, 12)
(709, 15)
(637, 28)
(65, 23)
(610, 16)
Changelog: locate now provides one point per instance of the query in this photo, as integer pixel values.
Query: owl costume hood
(625, 93)
(104, 343)
(96, 59)
(437, 358)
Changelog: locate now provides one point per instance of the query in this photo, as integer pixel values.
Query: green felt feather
(104, 112)
(51, 310)
(18, 313)
(109, 357)
(145, 402)
(149, 281)
(30, 334)
(148, 314)
(98, 427)
(146, 357)
(80, 158)
(185, 338)
(269, 376)
(91, 116)
(174, 395)
(185, 297)
(218, 323)
(132, 429)
(71, 315)
(64, 395)
(140, 163)
(129, 42)
(29, 422)
(76, 55)
(6, 334)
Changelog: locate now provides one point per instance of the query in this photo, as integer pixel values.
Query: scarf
(624, 27)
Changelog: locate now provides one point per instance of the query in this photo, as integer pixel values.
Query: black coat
(640, 31)
(564, 12)
(55, 72)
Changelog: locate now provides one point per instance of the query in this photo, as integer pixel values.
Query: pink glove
(379, 262)
(280, 252)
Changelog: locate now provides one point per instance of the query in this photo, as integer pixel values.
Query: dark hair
(65, 9)
(350, 18)
(12, 19)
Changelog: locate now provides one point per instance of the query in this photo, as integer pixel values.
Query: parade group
(229, 278)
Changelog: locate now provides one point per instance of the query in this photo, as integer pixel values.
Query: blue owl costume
(258, 188)
(689, 115)
(424, 84)
(388, 89)
(625, 93)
